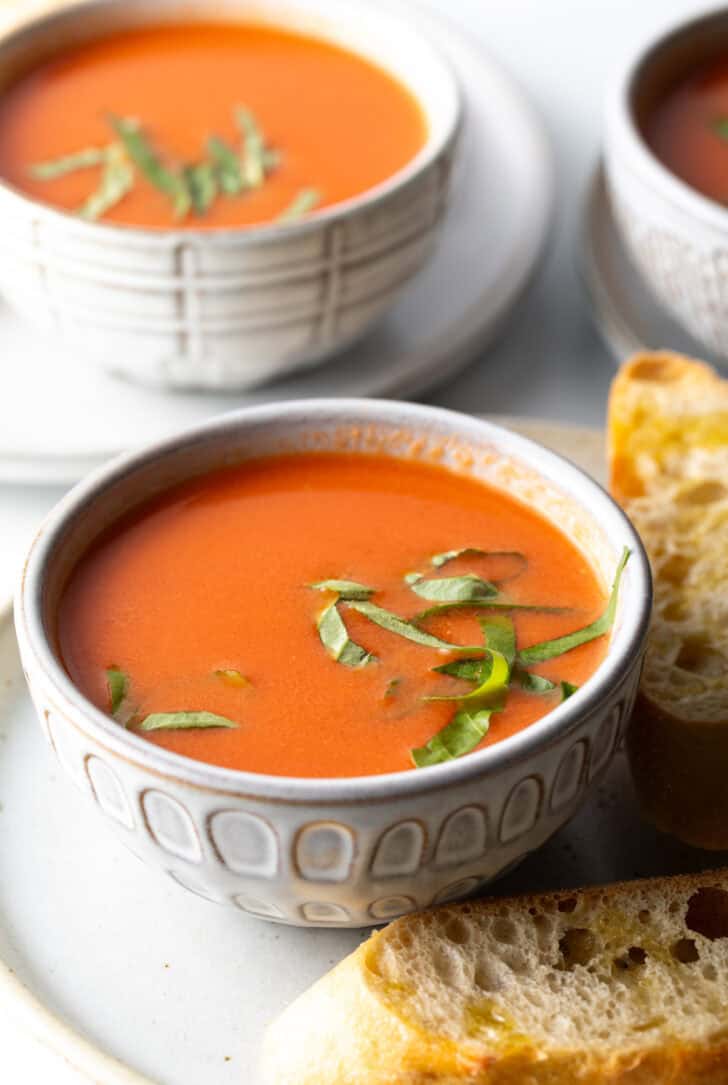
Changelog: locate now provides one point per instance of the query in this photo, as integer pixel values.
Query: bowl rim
(621, 125)
(611, 673)
(429, 154)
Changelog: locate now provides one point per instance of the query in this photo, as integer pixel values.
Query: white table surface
(549, 362)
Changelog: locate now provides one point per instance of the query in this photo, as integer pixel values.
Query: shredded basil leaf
(500, 636)
(484, 604)
(335, 639)
(184, 721)
(117, 179)
(201, 181)
(303, 202)
(147, 161)
(548, 649)
(469, 670)
(494, 681)
(532, 683)
(253, 163)
(720, 127)
(567, 689)
(451, 589)
(345, 589)
(227, 166)
(118, 685)
(474, 552)
(461, 735)
(394, 624)
(69, 163)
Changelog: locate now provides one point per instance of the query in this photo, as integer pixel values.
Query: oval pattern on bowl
(521, 810)
(170, 826)
(463, 837)
(399, 850)
(605, 737)
(390, 907)
(324, 852)
(108, 792)
(455, 890)
(316, 911)
(261, 908)
(245, 843)
(569, 775)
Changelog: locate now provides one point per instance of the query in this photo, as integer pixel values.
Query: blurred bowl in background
(677, 237)
(230, 308)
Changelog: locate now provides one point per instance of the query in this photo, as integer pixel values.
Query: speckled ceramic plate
(135, 982)
(628, 315)
(59, 418)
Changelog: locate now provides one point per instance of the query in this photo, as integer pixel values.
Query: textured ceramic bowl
(677, 237)
(352, 851)
(231, 308)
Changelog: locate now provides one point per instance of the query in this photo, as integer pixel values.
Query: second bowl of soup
(331, 662)
(210, 195)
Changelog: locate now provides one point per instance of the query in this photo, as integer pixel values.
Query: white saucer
(58, 418)
(134, 982)
(627, 314)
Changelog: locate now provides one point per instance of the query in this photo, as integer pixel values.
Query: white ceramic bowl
(342, 851)
(231, 308)
(677, 237)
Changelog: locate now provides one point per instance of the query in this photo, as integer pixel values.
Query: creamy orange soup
(332, 123)
(688, 129)
(202, 602)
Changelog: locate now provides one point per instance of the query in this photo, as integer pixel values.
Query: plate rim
(459, 343)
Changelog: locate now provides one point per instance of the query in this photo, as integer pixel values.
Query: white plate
(628, 315)
(134, 981)
(59, 418)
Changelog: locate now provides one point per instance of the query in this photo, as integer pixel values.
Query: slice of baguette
(668, 450)
(625, 985)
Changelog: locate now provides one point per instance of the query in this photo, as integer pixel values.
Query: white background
(550, 362)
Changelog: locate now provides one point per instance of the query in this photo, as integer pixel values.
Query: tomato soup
(269, 617)
(688, 129)
(205, 125)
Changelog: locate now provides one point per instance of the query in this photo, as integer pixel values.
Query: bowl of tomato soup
(330, 662)
(667, 167)
(210, 195)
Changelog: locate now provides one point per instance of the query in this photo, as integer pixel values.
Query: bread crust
(351, 1028)
(667, 442)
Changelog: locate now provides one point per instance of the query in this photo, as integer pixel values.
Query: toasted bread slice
(668, 450)
(626, 985)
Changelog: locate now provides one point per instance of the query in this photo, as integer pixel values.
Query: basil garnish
(227, 166)
(461, 735)
(303, 202)
(567, 689)
(394, 624)
(500, 636)
(484, 604)
(720, 127)
(118, 685)
(469, 670)
(147, 161)
(184, 721)
(335, 639)
(345, 589)
(548, 649)
(493, 682)
(451, 589)
(201, 183)
(473, 552)
(117, 179)
(253, 163)
(532, 683)
(69, 163)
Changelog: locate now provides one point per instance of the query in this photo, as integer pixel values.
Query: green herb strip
(469, 670)
(301, 204)
(500, 636)
(201, 181)
(117, 682)
(720, 127)
(335, 639)
(461, 735)
(567, 690)
(451, 589)
(494, 682)
(438, 560)
(227, 166)
(184, 721)
(117, 179)
(549, 649)
(402, 628)
(253, 161)
(532, 683)
(345, 589)
(70, 163)
(484, 604)
(147, 161)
